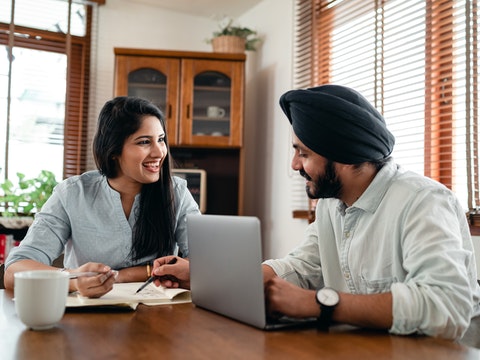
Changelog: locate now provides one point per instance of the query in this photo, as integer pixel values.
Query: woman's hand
(171, 274)
(96, 285)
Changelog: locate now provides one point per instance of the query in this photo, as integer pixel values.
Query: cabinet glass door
(153, 79)
(149, 84)
(211, 112)
(211, 99)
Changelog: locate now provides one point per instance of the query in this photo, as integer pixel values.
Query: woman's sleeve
(46, 237)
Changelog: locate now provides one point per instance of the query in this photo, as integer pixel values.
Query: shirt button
(346, 274)
(346, 234)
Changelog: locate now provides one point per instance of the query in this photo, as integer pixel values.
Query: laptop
(225, 253)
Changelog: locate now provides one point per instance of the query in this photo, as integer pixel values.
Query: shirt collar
(373, 195)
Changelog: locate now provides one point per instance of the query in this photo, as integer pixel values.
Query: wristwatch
(328, 299)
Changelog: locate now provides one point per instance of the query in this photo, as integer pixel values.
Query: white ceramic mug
(40, 297)
(215, 112)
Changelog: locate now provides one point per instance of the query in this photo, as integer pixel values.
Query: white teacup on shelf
(215, 112)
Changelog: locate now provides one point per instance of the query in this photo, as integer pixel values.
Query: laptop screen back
(225, 255)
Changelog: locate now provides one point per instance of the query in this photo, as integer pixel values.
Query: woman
(117, 220)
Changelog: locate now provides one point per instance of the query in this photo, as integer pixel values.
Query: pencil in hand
(153, 277)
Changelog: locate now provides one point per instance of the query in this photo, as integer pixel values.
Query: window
(417, 62)
(44, 86)
(37, 111)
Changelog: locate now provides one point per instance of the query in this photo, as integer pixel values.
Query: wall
(268, 140)
(267, 132)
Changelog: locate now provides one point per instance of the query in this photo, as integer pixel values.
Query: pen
(76, 275)
(82, 274)
(153, 277)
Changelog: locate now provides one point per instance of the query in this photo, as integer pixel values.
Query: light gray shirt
(84, 218)
(406, 234)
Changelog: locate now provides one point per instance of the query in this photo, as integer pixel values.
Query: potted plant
(19, 202)
(232, 38)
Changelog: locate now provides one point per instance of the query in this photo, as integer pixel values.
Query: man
(389, 249)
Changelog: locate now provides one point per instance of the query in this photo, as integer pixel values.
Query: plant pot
(228, 44)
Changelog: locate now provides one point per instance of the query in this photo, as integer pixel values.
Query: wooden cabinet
(202, 96)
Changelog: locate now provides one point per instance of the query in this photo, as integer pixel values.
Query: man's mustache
(305, 175)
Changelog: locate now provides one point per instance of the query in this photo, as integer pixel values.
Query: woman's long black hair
(119, 118)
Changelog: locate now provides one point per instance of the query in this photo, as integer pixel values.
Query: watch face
(327, 296)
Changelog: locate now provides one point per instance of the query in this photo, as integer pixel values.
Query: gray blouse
(84, 219)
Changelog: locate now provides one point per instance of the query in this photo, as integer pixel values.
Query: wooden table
(184, 331)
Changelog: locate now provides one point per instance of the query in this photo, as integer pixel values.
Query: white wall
(268, 139)
(269, 74)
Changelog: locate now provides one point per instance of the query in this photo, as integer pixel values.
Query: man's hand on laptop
(290, 300)
(172, 273)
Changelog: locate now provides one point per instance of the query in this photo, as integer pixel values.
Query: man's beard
(327, 186)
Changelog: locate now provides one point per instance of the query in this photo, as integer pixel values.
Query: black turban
(338, 123)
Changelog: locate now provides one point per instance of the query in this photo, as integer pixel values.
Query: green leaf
(28, 195)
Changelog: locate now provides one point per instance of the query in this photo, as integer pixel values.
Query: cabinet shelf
(212, 88)
(207, 118)
(147, 85)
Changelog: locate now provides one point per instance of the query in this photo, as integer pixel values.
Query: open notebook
(226, 277)
(124, 294)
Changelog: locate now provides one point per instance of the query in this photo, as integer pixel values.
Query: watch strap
(327, 307)
(325, 319)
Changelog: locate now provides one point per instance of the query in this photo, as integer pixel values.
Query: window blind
(417, 62)
(63, 27)
(302, 77)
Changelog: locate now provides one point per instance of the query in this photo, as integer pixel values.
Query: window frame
(78, 50)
